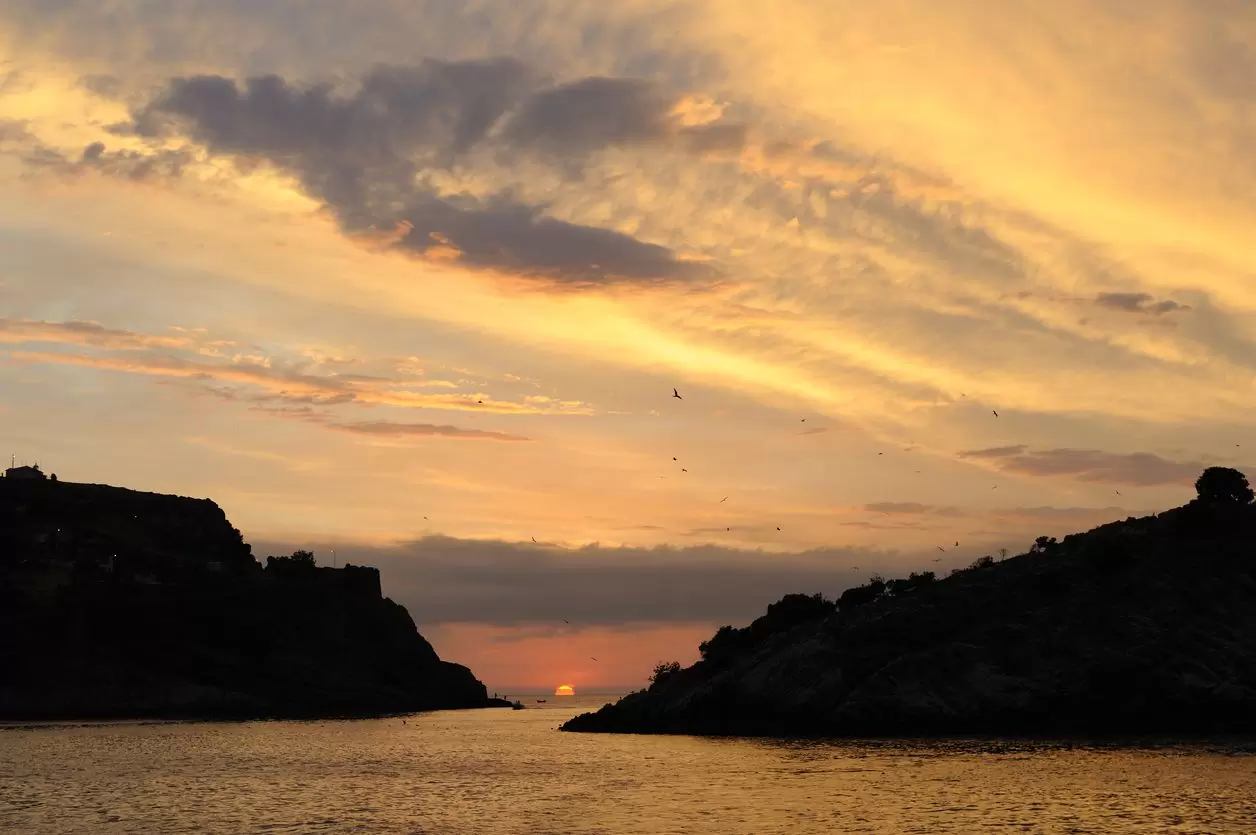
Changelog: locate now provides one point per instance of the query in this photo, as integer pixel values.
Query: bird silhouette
(566, 621)
(674, 458)
(594, 659)
(676, 394)
(940, 548)
(956, 544)
(1118, 492)
(937, 559)
(778, 527)
(683, 470)
(534, 539)
(723, 500)
(996, 414)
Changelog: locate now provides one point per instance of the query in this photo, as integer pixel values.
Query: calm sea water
(502, 771)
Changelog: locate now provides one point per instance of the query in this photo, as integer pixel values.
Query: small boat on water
(540, 701)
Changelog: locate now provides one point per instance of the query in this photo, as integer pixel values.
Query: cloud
(364, 155)
(445, 580)
(294, 389)
(403, 430)
(1137, 468)
(84, 333)
(1138, 303)
(898, 507)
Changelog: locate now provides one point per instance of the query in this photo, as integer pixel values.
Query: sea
(512, 771)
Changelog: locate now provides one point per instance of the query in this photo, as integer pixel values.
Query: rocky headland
(1143, 626)
(116, 603)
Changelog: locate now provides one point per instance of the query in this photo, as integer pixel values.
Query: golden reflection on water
(502, 771)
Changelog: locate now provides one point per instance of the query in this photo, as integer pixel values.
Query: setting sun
(565, 690)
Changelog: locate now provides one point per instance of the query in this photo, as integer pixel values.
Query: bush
(664, 670)
(982, 562)
(726, 641)
(1043, 545)
(1224, 484)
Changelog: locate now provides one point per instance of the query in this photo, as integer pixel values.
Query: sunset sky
(414, 280)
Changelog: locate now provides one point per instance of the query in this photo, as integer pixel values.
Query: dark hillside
(120, 603)
(1141, 626)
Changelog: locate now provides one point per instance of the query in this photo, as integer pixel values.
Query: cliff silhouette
(118, 603)
(1144, 626)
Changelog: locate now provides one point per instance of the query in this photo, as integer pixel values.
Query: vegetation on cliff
(1142, 626)
(121, 603)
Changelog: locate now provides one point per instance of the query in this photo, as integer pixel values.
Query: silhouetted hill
(119, 603)
(1141, 626)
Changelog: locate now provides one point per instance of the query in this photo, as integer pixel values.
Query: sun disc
(565, 690)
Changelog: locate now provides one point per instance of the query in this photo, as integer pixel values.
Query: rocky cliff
(119, 603)
(1141, 626)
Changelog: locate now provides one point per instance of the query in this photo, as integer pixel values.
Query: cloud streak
(1144, 303)
(444, 580)
(1092, 465)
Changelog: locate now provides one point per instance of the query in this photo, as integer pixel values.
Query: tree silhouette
(1224, 484)
(1043, 544)
(663, 669)
(304, 558)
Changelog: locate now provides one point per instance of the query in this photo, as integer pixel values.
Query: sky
(413, 281)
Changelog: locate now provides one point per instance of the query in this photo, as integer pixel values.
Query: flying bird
(594, 659)
(778, 527)
(721, 501)
(534, 539)
(940, 548)
(683, 470)
(566, 621)
(1118, 492)
(996, 414)
(673, 457)
(956, 544)
(676, 394)
(937, 559)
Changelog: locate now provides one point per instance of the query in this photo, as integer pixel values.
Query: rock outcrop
(116, 603)
(1146, 626)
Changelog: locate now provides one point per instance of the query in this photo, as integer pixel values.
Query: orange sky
(437, 306)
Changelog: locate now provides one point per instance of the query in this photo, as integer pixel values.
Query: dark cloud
(445, 580)
(12, 130)
(161, 164)
(898, 507)
(592, 113)
(1139, 468)
(364, 154)
(1138, 303)
(105, 85)
(402, 430)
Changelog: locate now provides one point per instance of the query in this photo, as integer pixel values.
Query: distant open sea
(503, 771)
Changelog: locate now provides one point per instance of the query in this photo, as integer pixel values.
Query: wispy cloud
(1139, 303)
(1140, 468)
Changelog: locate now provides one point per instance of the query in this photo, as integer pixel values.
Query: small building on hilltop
(27, 473)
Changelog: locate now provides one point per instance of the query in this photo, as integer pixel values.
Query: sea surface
(503, 771)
